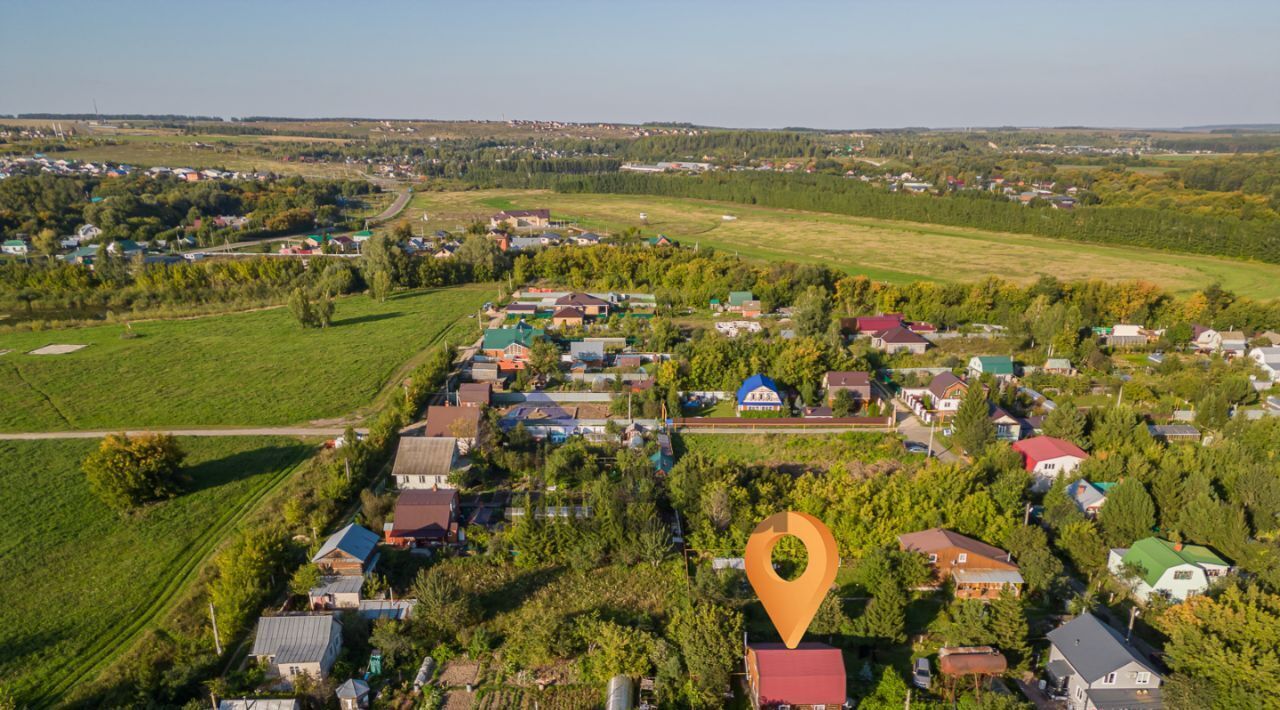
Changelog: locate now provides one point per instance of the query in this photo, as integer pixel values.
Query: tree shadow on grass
(371, 318)
(241, 465)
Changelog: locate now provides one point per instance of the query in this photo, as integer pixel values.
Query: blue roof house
(759, 393)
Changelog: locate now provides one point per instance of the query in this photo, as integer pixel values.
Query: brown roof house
(475, 394)
(857, 384)
(588, 304)
(521, 219)
(462, 423)
(425, 462)
(946, 392)
(898, 340)
(423, 518)
(568, 317)
(979, 570)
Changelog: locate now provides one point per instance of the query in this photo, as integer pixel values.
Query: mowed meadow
(253, 368)
(80, 580)
(893, 251)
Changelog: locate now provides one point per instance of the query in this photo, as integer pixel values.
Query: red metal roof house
(1047, 458)
(877, 324)
(807, 676)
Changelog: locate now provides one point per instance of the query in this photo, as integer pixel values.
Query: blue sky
(853, 64)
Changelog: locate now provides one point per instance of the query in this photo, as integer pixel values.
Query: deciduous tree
(127, 471)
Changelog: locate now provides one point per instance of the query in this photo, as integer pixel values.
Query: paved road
(258, 431)
(916, 432)
(396, 205)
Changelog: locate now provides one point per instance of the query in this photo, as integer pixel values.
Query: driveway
(916, 432)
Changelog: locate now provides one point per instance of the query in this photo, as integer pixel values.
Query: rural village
(400, 442)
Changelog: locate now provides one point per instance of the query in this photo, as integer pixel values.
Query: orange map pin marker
(791, 605)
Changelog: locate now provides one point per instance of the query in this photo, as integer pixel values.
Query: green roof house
(738, 298)
(362, 235)
(1168, 569)
(1001, 366)
(513, 343)
(13, 246)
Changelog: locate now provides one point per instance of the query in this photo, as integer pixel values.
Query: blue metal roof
(755, 382)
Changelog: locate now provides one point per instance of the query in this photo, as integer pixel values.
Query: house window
(1182, 574)
(1050, 466)
(1143, 678)
(1079, 692)
(294, 670)
(962, 558)
(933, 558)
(1110, 679)
(422, 479)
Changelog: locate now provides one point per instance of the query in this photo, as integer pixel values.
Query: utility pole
(1133, 613)
(932, 426)
(1026, 518)
(217, 640)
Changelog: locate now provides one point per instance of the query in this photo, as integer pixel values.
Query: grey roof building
(296, 645)
(1092, 666)
(424, 462)
(353, 694)
(351, 550)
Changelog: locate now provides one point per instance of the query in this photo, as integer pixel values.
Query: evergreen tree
(885, 621)
(889, 694)
(1009, 628)
(972, 428)
(842, 405)
(1067, 422)
(1128, 515)
(1213, 411)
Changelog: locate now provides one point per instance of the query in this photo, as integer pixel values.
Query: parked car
(915, 447)
(922, 676)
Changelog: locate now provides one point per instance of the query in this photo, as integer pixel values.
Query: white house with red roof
(1047, 458)
(811, 675)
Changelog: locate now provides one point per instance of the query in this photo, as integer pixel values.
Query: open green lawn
(80, 580)
(255, 368)
(882, 249)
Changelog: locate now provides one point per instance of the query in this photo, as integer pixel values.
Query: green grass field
(825, 452)
(80, 581)
(882, 249)
(255, 368)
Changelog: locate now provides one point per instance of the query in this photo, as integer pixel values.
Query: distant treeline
(726, 145)
(1144, 227)
(1222, 142)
